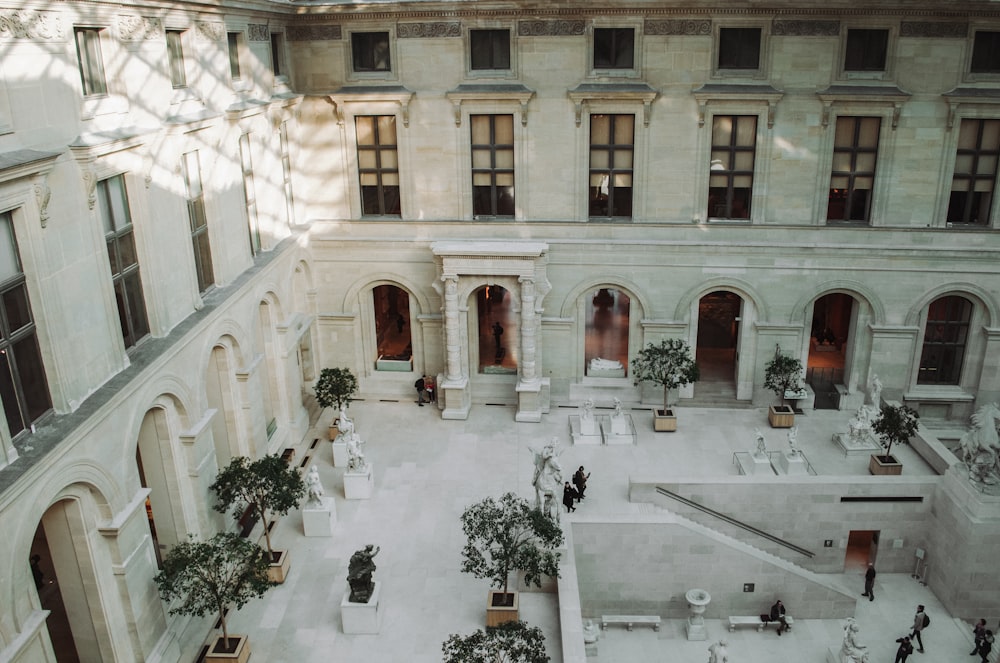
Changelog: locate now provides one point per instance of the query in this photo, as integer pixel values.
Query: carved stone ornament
(418, 30)
(139, 28)
(210, 31)
(42, 195)
(689, 27)
(550, 28)
(314, 33)
(934, 29)
(28, 24)
(785, 28)
(258, 32)
(90, 186)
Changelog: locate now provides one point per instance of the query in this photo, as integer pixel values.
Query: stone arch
(226, 357)
(978, 295)
(568, 307)
(352, 299)
(737, 286)
(855, 289)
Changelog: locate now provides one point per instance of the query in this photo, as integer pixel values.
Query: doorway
(497, 331)
(718, 339)
(607, 330)
(828, 347)
(862, 548)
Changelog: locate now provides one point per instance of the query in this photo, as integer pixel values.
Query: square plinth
(340, 456)
(359, 485)
(362, 618)
(584, 434)
(318, 519)
(792, 463)
(758, 464)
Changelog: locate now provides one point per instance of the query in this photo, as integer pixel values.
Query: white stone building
(201, 206)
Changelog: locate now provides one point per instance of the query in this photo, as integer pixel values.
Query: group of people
(574, 493)
(983, 640)
(920, 622)
(425, 390)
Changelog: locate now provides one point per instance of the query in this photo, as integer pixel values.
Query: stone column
(532, 392)
(454, 391)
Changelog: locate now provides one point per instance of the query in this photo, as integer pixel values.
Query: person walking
(569, 494)
(920, 622)
(978, 633)
(778, 615)
(420, 386)
(986, 646)
(905, 649)
(580, 481)
(870, 582)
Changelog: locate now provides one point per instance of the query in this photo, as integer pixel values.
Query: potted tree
(668, 364)
(334, 388)
(508, 535)
(895, 424)
(269, 486)
(212, 576)
(511, 642)
(782, 374)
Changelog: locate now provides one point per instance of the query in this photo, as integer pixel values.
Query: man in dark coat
(905, 649)
(870, 582)
(778, 615)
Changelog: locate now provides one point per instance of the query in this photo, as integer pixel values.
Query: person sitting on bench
(778, 615)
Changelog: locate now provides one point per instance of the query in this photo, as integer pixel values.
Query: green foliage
(896, 424)
(782, 374)
(506, 535)
(668, 364)
(269, 484)
(512, 642)
(335, 387)
(210, 576)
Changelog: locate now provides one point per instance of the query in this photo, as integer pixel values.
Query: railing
(737, 523)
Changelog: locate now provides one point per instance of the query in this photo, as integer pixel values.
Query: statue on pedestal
(588, 425)
(875, 392)
(761, 445)
(314, 489)
(355, 458)
(793, 440)
(850, 650)
(359, 574)
(548, 479)
(981, 449)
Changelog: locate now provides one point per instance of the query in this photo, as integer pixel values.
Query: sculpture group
(981, 449)
(547, 479)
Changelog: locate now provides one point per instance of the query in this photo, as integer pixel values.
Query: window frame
(279, 59)
(489, 72)
(493, 148)
(854, 150)
(968, 344)
(760, 71)
(385, 75)
(611, 170)
(176, 61)
(887, 73)
(378, 171)
(979, 76)
(633, 71)
(199, 235)
(250, 193)
(994, 206)
(90, 62)
(732, 173)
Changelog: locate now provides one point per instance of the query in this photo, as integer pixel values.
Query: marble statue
(344, 423)
(547, 480)
(599, 364)
(314, 489)
(717, 652)
(793, 440)
(359, 574)
(850, 650)
(355, 458)
(860, 426)
(981, 449)
(617, 414)
(588, 425)
(761, 445)
(590, 632)
(875, 392)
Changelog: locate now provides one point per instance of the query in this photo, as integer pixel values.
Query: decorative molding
(210, 31)
(587, 93)
(31, 24)
(689, 27)
(258, 32)
(496, 93)
(139, 28)
(42, 195)
(425, 30)
(862, 95)
(934, 29)
(539, 28)
(313, 33)
(90, 185)
(786, 28)
(722, 93)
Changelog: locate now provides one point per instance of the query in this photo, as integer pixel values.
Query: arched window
(945, 337)
(392, 328)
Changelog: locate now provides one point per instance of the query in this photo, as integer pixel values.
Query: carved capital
(90, 185)
(42, 196)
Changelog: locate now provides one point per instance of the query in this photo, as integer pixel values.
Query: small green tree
(335, 387)
(506, 535)
(510, 642)
(668, 364)
(269, 485)
(782, 373)
(895, 424)
(210, 576)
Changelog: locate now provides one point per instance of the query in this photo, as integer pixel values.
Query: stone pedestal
(362, 618)
(532, 400)
(618, 430)
(318, 519)
(581, 437)
(792, 463)
(359, 485)
(759, 464)
(340, 456)
(861, 445)
(698, 600)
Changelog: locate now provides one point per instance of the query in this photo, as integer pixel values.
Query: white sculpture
(599, 364)
(344, 423)
(588, 425)
(547, 480)
(314, 489)
(717, 652)
(875, 392)
(850, 650)
(617, 414)
(761, 446)
(860, 425)
(355, 458)
(590, 632)
(793, 440)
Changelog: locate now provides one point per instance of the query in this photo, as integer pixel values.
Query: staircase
(715, 393)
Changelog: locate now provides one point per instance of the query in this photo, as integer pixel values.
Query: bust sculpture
(359, 574)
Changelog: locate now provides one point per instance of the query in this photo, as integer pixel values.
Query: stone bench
(756, 622)
(629, 620)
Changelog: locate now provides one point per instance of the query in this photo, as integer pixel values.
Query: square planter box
(664, 421)
(496, 612)
(278, 570)
(887, 467)
(241, 654)
(781, 416)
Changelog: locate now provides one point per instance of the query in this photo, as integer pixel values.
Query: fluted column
(529, 331)
(452, 337)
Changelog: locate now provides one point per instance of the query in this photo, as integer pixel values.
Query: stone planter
(278, 570)
(884, 465)
(664, 421)
(497, 610)
(217, 653)
(781, 416)
(698, 600)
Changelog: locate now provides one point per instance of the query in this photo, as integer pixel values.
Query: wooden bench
(629, 620)
(756, 622)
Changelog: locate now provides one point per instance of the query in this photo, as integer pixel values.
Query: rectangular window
(198, 221)
(492, 165)
(234, 39)
(278, 53)
(986, 53)
(614, 48)
(853, 175)
(378, 167)
(945, 337)
(612, 146)
(286, 174)
(739, 48)
(88, 53)
(113, 202)
(175, 57)
(250, 194)
(490, 49)
(975, 172)
(730, 177)
(24, 390)
(370, 51)
(866, 50)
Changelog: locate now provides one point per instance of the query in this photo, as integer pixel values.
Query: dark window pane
(137, 306)
(490, 49)
(204, 259)
(986, 53)
(505, 201)
(123, 314)
(614, 48)
(33, 384)
(11, 409)
(866, 50)
(739, 48)
(370, 51)
(234, 55)
(945, 337)
(15, 304)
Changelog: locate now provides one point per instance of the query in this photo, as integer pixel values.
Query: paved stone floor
(428, 470)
